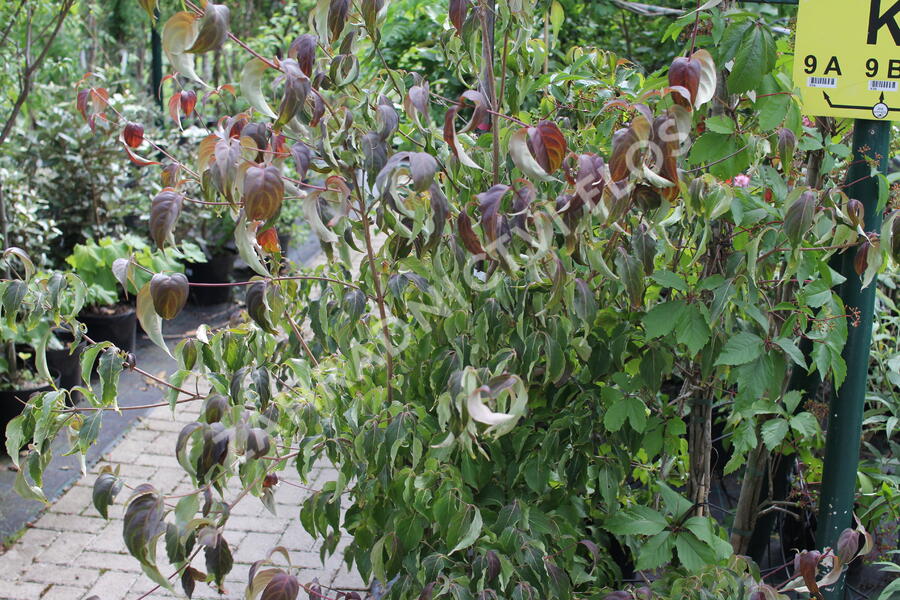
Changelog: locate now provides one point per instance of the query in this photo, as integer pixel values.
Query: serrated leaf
(740, 349)
(773, 432)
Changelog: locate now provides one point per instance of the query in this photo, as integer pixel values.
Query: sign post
(847, 64)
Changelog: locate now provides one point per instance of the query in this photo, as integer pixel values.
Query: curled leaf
(538, 151)
(303, 50)
(479, 112)
(164, 211)
(213, 28)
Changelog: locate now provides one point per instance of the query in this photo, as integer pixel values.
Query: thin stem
(379, 295)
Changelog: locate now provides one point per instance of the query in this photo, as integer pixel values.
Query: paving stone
(21, 590)
(112, 584)
(348, 580)
(92, 559)
(65, 549)
(75, 523)
(260, 524)
(296, 538)
(74, 501)
(255, 546)
(58, 574)
(62, 592)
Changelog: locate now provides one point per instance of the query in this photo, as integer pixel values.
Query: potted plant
(19, 375)
(108, 313)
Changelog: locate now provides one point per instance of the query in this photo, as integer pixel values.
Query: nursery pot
(216, 269)
(11, 404)
(119, 328)
(65, 362)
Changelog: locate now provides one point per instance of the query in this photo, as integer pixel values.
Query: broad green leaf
(661, 320)
(754, 58)
(805, 424)
(773, 432)
(637, 520)
(740, 349)
(692, 329)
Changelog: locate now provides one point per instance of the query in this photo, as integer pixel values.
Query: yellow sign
(847, 58)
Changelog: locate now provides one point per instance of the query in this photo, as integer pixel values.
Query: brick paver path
(72, 553)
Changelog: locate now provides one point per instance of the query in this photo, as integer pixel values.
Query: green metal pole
(871, 140)
(156, 63)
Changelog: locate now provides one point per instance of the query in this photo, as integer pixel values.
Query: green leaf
(668, 279)
(740, 349)
(720, 124)
(773, 432)
(692, 329)
(109, 370)
(693, 553)
(662, 319)
(656, 551)
(471, 534)
(805, 424)
(791, 349)
(248, 247)
(754, 58)
(637, 520)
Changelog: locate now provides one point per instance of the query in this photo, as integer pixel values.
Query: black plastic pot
(65, 362)
(120, 329)
(11, 404)
(215, 270)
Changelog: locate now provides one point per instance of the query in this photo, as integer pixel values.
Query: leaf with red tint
(268, 240)
(856, 212)
(213, 28)
(538, 151)
(467, 234)
(296, 88)
(666, 139)
(164, 211)
(685, 72)
(281, 587)
(141, 162)
(337, 17)
(450, 134)
(861, 260)
(302, 157)
(263, 192)
(188, 100)
(548, 145)
(82, 103)
(175, 109)
(303, 49)
(169, 175)
(807, 565)
(417, 101)
(169, 294)
(627, 148)
(489, 205)
(133, 135)
(458, 10)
